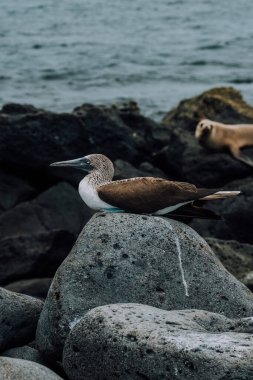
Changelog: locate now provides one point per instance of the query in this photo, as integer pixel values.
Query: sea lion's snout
(203, 130)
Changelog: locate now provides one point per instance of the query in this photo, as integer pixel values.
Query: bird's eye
(201, 125)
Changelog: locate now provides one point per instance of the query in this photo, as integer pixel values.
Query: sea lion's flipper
(245, 159)
(238, 155)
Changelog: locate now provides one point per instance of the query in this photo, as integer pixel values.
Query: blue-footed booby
(140, 195)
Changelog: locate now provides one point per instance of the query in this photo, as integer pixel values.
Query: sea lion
(219, 136)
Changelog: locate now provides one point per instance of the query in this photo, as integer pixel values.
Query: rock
(232, 210)
(133, 341)
(35, 287)
(134, 258)
(124, 169)
(222, 103)
(36, 236)
(25, 353)
(248, 280)
(18, 318)
(13, 190)
(33, 138)
(184, 158)
(33, 355)
(236, 257)
(18, 369)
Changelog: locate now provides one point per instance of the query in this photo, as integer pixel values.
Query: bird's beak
(78, 163)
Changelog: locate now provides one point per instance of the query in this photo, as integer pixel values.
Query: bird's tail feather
(221, 195)
(191, 211)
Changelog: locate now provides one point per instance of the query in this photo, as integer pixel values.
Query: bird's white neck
(96, 178)
(88, 190)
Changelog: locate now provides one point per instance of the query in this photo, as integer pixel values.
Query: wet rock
(35, 287)
(133, 341)
(237, 215)
(36, 236)
(25, 353)
(236, 257)
(18, 369)
(18, 318)
(184, 158)
(145, 259)
(13, 190)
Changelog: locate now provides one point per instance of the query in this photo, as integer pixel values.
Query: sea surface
(60, 54)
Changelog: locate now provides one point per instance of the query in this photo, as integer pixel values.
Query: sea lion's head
(203, 129)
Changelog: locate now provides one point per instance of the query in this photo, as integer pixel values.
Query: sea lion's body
(219, 136)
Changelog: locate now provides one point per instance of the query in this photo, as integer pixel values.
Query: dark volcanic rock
(184, 158)
(133, 258)
(124, 169)
(18, 369)
(133, 341)
(236, 212)
(18, 318)
(236, 257)
(35, 287)
(13, 190)
(36, 236)
(33, 138)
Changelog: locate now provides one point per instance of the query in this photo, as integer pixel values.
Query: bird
(140, 195)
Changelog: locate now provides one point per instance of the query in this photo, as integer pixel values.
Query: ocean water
(60, 54)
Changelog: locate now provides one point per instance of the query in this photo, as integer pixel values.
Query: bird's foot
(113, 210)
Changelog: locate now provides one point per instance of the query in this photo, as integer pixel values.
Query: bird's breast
(90, 196)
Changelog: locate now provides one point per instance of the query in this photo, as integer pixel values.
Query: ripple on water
(57, 56)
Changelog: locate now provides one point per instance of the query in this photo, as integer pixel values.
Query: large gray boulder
(18, 369)
(18, 318)
(133, 341)
(134, 258)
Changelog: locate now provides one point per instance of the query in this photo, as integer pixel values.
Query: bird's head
(90, 163)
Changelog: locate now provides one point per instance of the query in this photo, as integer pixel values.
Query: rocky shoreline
(112, 310)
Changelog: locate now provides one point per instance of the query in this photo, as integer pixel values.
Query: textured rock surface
(236, 257)
(237, 215)
(183, 157)
(133, 258)
(18, 318)
(13, 190)
(36, 236)
(35, 287)
(18, 369)
(33, 138)
(131, 341)
(124, 169)
(25, 353)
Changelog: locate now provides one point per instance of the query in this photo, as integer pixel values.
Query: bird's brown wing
(149, 194)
